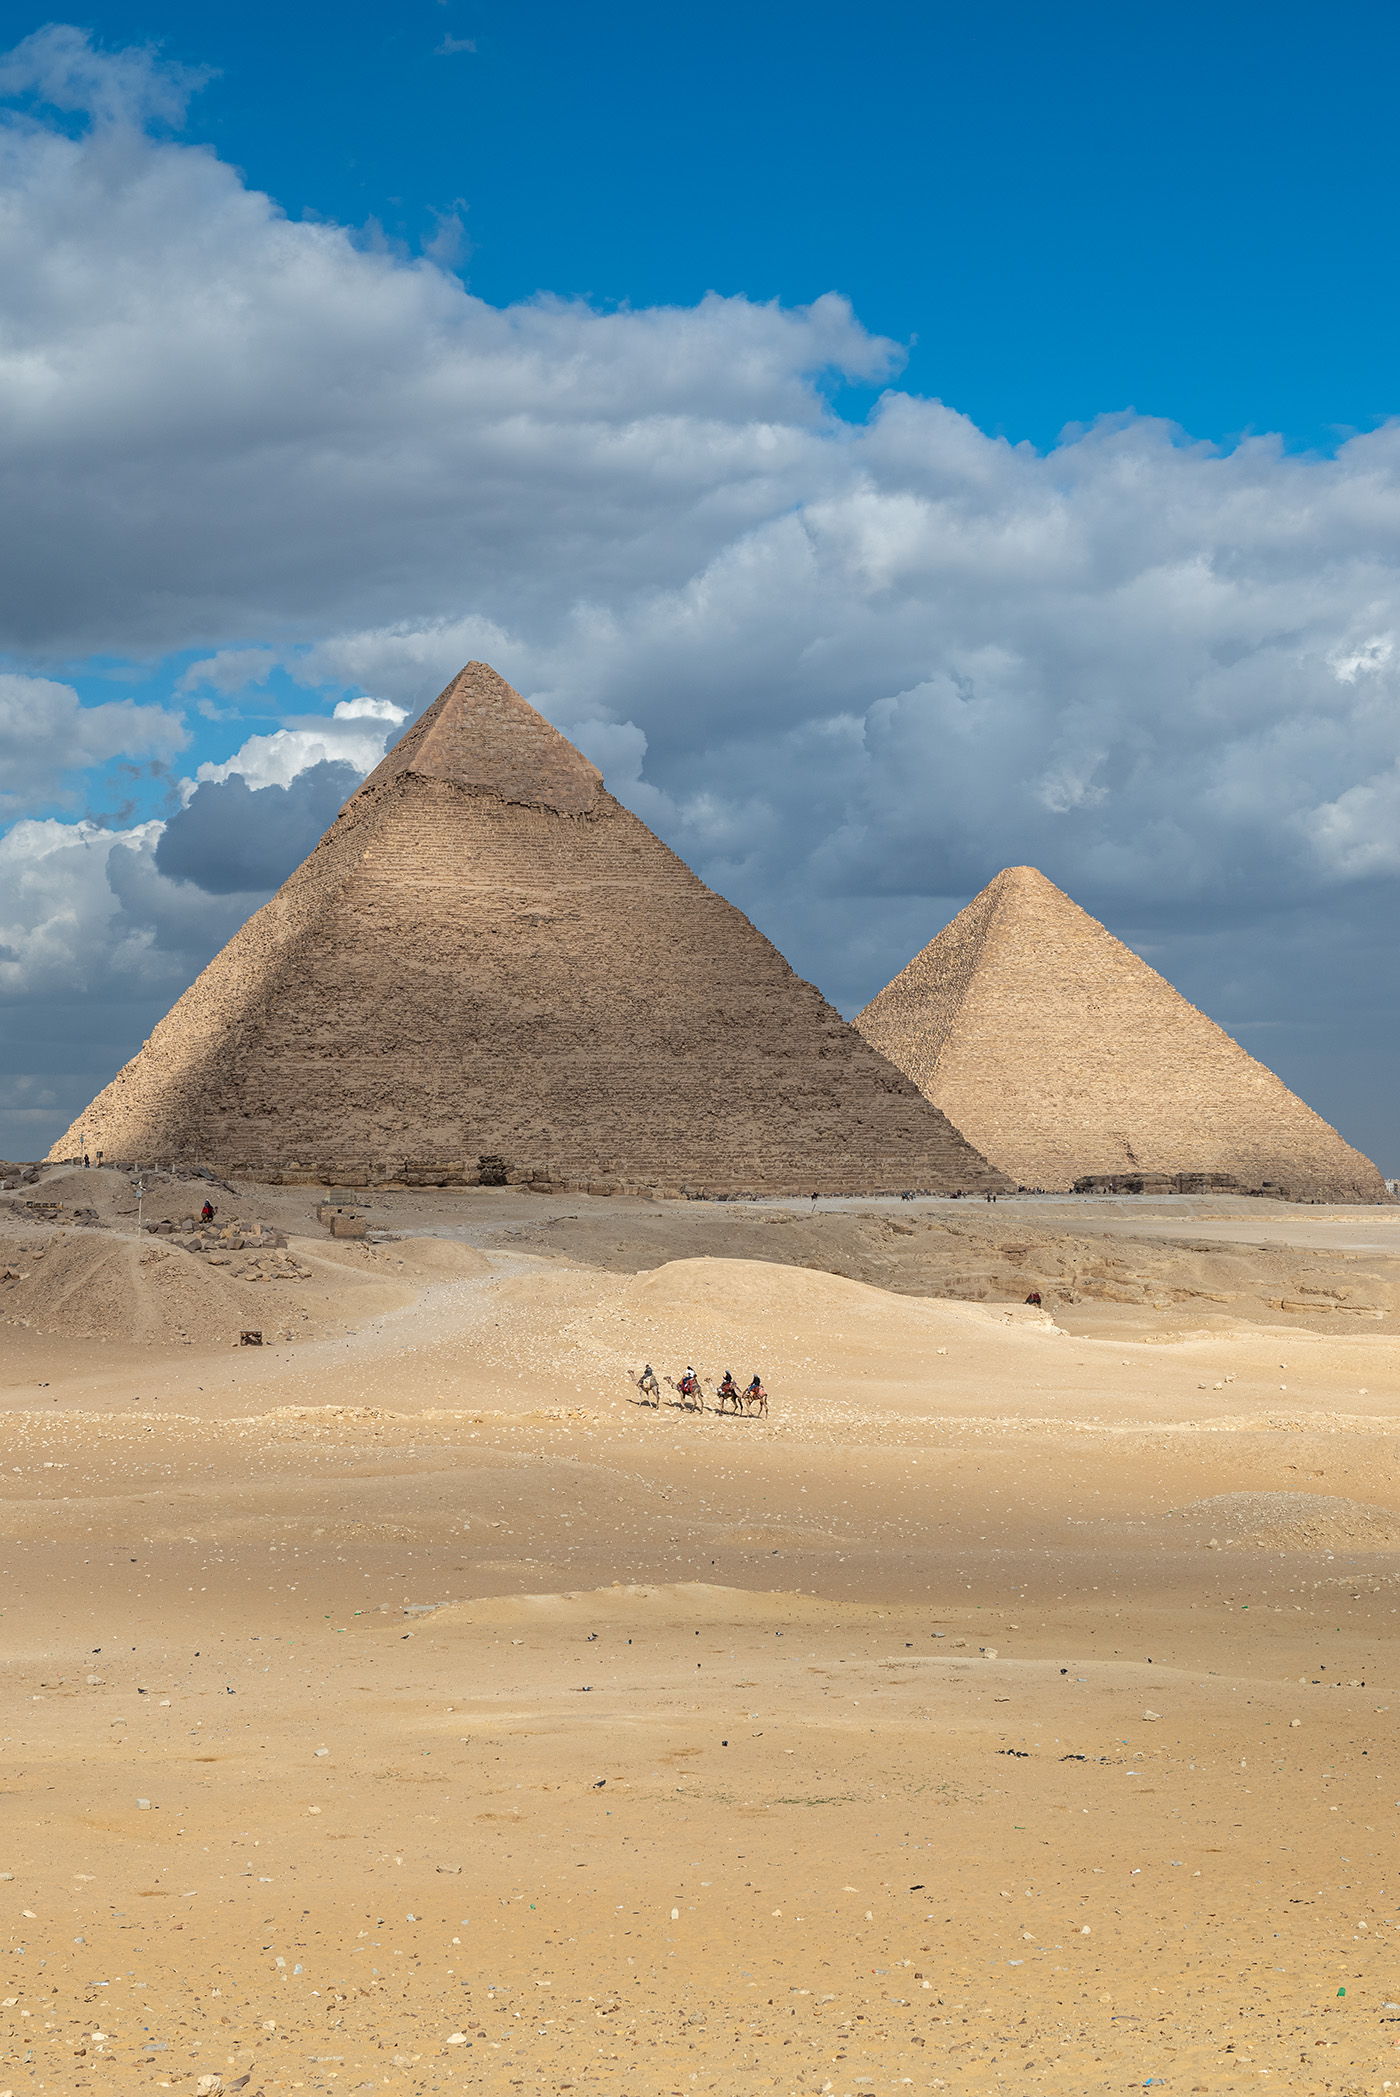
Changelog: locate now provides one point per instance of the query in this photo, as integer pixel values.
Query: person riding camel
(728, 1389)
(755, 1397)
(688, 1390)
(648, 1386)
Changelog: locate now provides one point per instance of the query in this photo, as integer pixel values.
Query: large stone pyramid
(1062, 1056)
(488, 957)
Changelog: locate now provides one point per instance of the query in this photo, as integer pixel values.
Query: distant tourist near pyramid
(489, 969)
(1064, 1058)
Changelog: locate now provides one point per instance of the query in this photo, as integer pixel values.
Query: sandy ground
(402, 1706)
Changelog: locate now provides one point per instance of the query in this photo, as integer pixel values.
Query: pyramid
(1062, 1056)
(488, 958)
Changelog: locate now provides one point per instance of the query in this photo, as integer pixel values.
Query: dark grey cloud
(230, 837)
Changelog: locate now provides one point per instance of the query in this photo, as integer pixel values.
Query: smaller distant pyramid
(1063, 1057)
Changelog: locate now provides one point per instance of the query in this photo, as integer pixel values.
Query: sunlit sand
(405, 1706)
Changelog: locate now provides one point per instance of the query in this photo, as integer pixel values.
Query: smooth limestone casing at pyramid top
(486, 954)
(1061, 1054)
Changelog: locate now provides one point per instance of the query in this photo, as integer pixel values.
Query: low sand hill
(1297, 1522)
(99, 1285)
(1061, 1055)
(487, 956)
(1001, 1256)
(814, 1334)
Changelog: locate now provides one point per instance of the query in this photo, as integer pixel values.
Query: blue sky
(892, 446)
(1189, 210)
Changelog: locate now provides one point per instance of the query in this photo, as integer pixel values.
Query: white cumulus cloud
(367, 709)
(46, 735)
(83, 911)
(358, 733)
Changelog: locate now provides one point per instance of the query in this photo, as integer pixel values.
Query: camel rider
(729, 1389)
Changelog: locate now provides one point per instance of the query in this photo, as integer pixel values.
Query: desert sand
(400, 1705)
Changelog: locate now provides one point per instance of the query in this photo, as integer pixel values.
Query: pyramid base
(533, 1178)
(1192, 1183)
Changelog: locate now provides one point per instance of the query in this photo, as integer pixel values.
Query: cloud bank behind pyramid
(487, 956)
(1063, 1056)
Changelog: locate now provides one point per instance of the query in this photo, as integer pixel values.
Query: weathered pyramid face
(1063, 1056)
(487, 957)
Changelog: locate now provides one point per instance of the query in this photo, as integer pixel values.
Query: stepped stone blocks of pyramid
(488, 958)
(1064, 1057)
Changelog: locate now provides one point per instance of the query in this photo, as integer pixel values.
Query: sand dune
(803, 1328)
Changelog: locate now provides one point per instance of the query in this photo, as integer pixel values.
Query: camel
(648, 1386)
(689, 1392)
(756, 1399)
(729, 1394)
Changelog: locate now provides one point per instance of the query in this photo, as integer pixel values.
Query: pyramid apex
(1021, 888)
(480, 733)
(1022, 877)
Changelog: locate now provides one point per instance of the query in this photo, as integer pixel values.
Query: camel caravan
(690, 1391)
